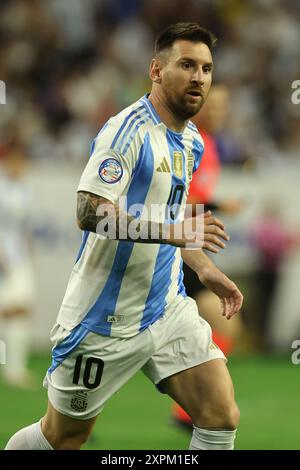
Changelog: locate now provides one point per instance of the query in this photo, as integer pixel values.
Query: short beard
(182, 111)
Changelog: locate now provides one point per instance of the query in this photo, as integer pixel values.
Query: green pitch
(267, 391)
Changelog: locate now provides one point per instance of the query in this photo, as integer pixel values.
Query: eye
(207, 69)
(186, 65)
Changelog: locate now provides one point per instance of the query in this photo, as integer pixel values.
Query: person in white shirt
(17, 283)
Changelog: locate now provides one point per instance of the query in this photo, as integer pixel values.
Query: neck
(166, 115)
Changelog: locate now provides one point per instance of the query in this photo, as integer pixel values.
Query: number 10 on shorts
(91, 364)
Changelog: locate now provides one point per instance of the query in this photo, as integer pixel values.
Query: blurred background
(68, 65)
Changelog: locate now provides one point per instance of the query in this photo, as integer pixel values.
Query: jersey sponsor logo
(115, 318)
(190, 165)
(110, 171)
(163, 167)
(178, 164)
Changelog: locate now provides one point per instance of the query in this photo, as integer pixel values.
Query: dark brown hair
(189, 31)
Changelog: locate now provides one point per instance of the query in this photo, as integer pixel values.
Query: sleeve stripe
(133, 133)
(123, 126)
(128, 130)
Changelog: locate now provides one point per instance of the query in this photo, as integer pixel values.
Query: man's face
(185, 77)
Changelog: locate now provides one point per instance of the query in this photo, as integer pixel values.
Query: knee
(65, 433)
(70, 442)
(66, 439)
(231, 417)
(223, 416)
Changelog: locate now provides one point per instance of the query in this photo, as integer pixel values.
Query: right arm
(96, 213)
(98, 208)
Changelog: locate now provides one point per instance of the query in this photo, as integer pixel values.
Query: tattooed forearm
(92, 209)
(97, 214)
(87, 205)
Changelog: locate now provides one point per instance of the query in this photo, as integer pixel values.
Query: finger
(214, 221)
(239, 301)
(236, 301)
(224, 304)
(229, 309)
(207, 214)
(223, 307)
(208, 246)
(213, 239)
(216, 231)
(232, 308)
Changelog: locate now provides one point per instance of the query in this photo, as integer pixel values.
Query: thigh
(85, 375)
(207, 386)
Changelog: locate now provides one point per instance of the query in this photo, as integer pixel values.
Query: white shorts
(89, 368)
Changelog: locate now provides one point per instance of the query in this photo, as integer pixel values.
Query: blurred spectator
(16, 273)
(271, 240)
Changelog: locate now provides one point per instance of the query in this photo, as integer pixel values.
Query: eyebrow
(189, 59)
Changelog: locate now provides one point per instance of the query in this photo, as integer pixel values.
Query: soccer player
(17, 285)
(125, 307)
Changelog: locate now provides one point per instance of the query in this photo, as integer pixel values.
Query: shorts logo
(110, 171)
(79, 401)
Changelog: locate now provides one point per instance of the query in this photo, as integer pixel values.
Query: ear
(155, 70)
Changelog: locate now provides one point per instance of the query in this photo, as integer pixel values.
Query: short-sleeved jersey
(119, 288)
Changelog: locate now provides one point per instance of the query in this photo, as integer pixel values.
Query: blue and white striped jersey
(119, 288)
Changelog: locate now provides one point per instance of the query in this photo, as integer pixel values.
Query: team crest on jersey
(178, 164)
(190, 164)
(79, 401)
(110, 171)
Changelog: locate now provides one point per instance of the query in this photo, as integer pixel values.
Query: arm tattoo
(87, 219)
(87, 204)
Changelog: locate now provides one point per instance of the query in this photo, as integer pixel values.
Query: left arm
(211, 277)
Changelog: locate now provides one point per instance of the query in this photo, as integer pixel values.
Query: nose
(198, 76)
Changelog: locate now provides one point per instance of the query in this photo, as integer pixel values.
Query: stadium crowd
(69, 65)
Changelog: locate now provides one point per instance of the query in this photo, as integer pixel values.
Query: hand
(202, 231)
(214, 229)
(230, 297)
